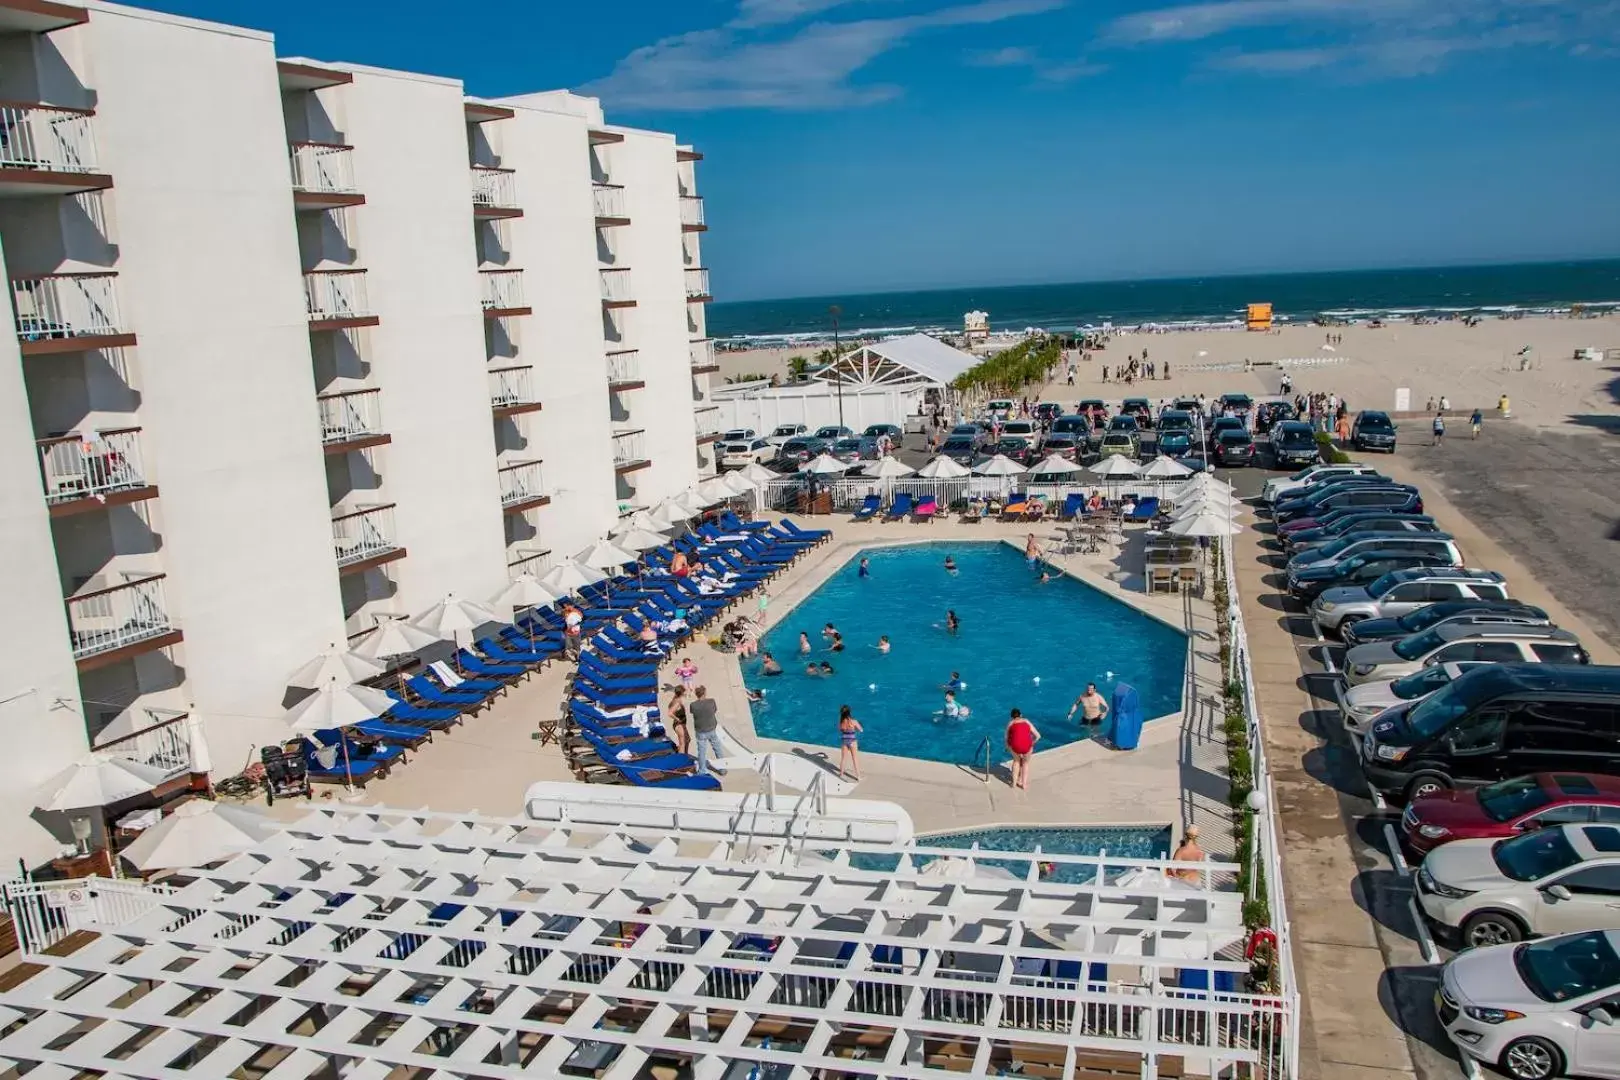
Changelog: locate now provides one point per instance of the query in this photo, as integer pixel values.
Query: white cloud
(1051, 71)
(751, 13)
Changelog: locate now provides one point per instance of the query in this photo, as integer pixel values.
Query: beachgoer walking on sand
(706, 725)
(1439, 428)
(677, 720)
(1021, 739)
(849, 743)
(1092, 705)
(1188, 852)
(1475, 422)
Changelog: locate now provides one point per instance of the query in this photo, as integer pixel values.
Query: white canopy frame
(915, 360)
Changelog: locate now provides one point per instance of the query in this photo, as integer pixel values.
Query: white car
(1539, 1010)
(738, 434)
(1362, 704)
(1493, 643)
(783, 432)
(1550, 881)
(1277, 487)
(739, 454)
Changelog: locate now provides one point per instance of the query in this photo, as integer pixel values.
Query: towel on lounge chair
(1017, 505)
(869, 508)
(926, 509)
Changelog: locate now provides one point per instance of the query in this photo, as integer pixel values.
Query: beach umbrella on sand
(570, 577)
(1115, 465)
(606, 555)
(452, 616)
(394, 637)
(1165, 467)
(198, 833)
(334, 663)
(826, 465)
(943, 468)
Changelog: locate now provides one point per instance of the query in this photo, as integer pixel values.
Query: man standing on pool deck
(706, 727)
(1092, 705)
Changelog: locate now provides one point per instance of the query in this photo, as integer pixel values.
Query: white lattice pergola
(915, 360)
(372, 944)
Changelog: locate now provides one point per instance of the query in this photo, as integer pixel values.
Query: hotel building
(298, 345)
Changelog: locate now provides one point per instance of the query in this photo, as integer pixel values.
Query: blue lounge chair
(869, 508)
(428, 715)
(730, 522)
(1145, 510)
(1073, 504)
(900, 507)
(506, 655)
(434, 694)
(787, 527)
(667, 779)
(406, 735)
(472, 663)
(441, 673)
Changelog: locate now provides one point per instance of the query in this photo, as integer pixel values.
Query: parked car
(783, 432)
(737, 435)
(1510, 807)
(1369, 566)
(1494, 643)
(1022, 429)
(833, 432)
(1354, 543)
(1001, 408)
(893, 431)
(1316, 492)
(1451, 611)
(1048, 411)
(1335, 519)
(1540, 1010)
(798, 450)
(736, 455)
(963, 450)
(1547, 881)
(971, 432)
(1118, 442)
(1293, 444)
(1064, 446)
(1018, 448)
(1071, 424)
(1276, 487)
(1095, 409)
(1268, 414)
(1226, 423)
(852, 449)
(1399, 497)
(1360, 521)
(1175, 432)
(1187, 405)
(1236, 403)
(1126, 423)
(1496, 722)
(1402, 593)
(1139, 407)
(1233, 449)
(1361, 705)
(1373, 431)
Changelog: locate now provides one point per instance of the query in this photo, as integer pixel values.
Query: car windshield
(1234, 437)
(1561, 968)
(1508, 799)
(1011, 444)
(1175, 420)
(1375, 422)
(1417, 645)
(1384, 584)
(1424, 682)
(847, 444)
(1117, 440)
(785, 429)
(954, 445)
(1292, 438)
(1534, 855)
(965, 430)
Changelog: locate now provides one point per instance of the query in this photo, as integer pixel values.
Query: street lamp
(838, 379)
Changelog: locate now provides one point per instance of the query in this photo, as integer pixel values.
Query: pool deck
(1175, 776)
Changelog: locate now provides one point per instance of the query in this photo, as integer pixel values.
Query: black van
(1495, 722)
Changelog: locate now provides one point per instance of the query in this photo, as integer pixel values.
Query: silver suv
(1438, 543)
(1396, 594)
(1491, 643)
(1278, 486)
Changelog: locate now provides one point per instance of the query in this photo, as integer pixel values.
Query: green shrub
(1330, 453)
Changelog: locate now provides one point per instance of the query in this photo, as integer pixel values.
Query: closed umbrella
(826, 465)
(453, 616)
(605, 555)
(943, 468)
(394, 637)
(334, 663)
(1163, 467)
(93, 781)
(202, 763)
(570, 577)
(1125, 716)
(198, 833)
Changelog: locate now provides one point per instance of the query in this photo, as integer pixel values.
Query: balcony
(494, 193)
(161, 740)
(323, 176)
(523, 487)
(511, 391)
(706, 419)
(692, 214)
(111, 623)
(502, 293)
(47, 150)
(364, 538)
(697, 286)
(528, 561)
(87, 472)
(68, 313)
(629, 451)
(624, 370)
(610, 208)
(351, 420)
(616, 288)
(703, 359)
(39, 16)
(336, 300)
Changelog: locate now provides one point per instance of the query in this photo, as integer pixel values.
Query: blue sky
(862, 145)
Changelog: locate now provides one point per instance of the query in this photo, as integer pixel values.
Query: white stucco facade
(249, 408)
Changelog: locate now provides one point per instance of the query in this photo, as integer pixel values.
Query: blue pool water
(1022, 645)
(1124, 842)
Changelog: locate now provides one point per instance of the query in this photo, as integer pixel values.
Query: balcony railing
(111, 618)
(628, 447)
(623, 367)
(84, 466)
(336, 294)
(510, 388)
(521, 483)
(363, 534)
(534, 563)
(609, 202)
(702, 352)
(46, 137)
(707, 420)
(692, 212)
(350, 415)
(502, 289)
(493, 188)
(697, 284)
(163, 741)
(323, 168)
(616, 287)
(65, 306)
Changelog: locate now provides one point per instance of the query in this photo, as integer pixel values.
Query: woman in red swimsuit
(1021, 739)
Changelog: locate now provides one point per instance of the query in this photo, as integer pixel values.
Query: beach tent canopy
(914, 360)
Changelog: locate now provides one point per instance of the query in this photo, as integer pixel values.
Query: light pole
(838, 379)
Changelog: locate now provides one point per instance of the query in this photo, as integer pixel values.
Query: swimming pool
(1022, 644)
(1125, 842)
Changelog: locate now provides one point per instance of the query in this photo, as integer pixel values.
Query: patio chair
(926, 509)
(1144, 510)
(869, 508)
(1161, 576)
(1074, 504)
(900, 507)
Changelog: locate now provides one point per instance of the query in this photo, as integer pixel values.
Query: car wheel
(1426, 784)
(1492, 928)
(1531, 1058)
(1349, 620)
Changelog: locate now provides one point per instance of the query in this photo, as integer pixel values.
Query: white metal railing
(702, 352)
(501, 289)
(325, 168)
(493, 187)
(66, 306)
(609, 200)
(692, 210)
(848, 492)
(511, 386)
(45, 912)
(46, 137)
(111, 618)
(707, 419)
(697, 283)
(352, 414)
(165, 744)
(627, 447)
(336, 294)
(616, 285)
(521, 482)
(363, 533)
(623, 367)
(77, 466)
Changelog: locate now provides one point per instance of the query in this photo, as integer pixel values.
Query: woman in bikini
(849, 743)
(677, 720)
(1021, 739)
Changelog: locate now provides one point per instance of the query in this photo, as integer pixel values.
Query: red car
(1509, 807)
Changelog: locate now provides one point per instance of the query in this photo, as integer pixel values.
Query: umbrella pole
(348, 770)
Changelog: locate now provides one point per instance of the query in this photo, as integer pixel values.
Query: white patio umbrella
(654, 520)
(758, 473)
(739, 483)
(680, 507)
(334, 663)
(453, 616)
(891, 467)
(943, 468)
(337, 706)
(606, 555)
(526, 591)
(1000, 465)
(1056, 464)
(1201, 482)
(1208, 523)
(639, 539)
(394, 637)
(1209, 502)
(826, 465)
(570, 577)
(1165, 467)
(198, 833)
(93, 781)
(1115, 465)
(711, 491)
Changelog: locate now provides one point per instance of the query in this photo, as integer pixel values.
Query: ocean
(1527, 288)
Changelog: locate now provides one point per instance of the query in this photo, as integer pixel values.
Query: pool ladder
(984, 752)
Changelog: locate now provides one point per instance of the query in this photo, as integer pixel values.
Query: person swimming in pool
(952, 623)
(954, 710)
(866, 568)
(950, 564)
(1046, 577)
(883, 644)
(812, 669)
(837, 642)
(826, 668)
(955, 685)
(829, 631)
(804, 643)
(770, 665)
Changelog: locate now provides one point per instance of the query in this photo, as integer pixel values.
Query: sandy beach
(1470, 365)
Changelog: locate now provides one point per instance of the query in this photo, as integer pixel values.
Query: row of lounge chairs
(923, 509)
(1019, 506)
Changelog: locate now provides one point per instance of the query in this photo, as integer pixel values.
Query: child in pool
(883, 644)
(950, 564)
